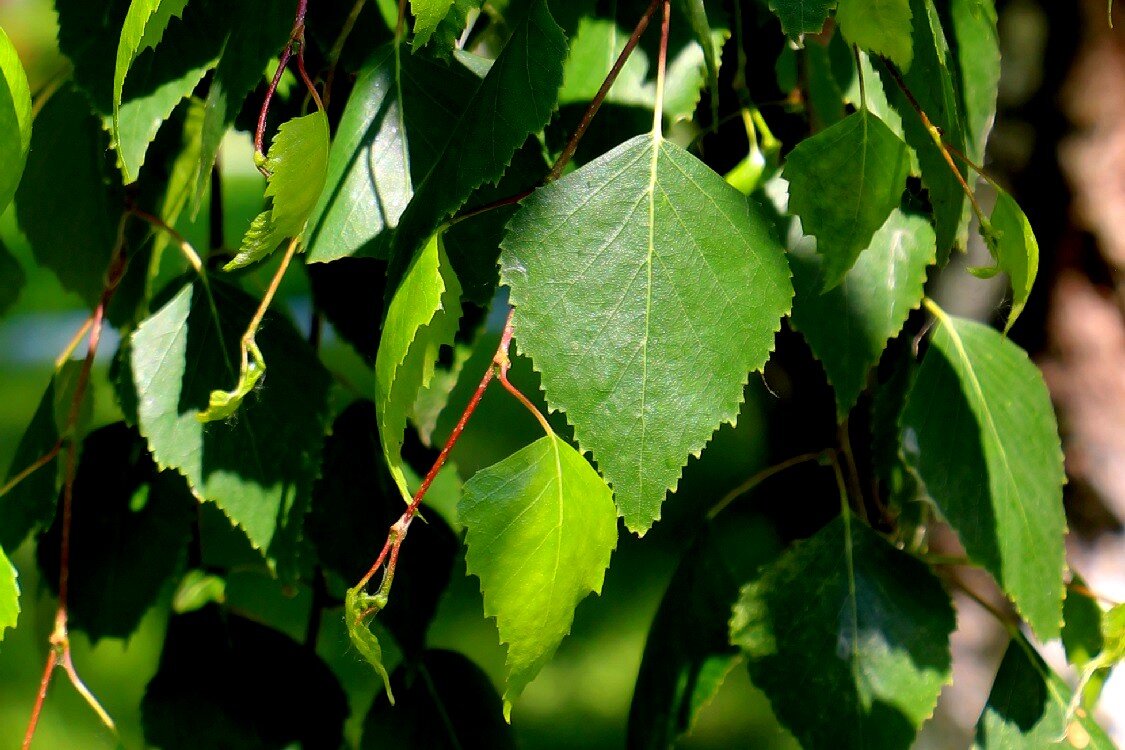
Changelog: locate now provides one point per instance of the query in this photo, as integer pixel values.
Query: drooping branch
(60, 636)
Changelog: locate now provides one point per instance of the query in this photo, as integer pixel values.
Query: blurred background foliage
(1059, 144)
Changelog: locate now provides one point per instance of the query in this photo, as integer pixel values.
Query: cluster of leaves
(645, 290)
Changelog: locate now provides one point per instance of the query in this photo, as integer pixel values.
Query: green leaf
(225, 681)
(9, 595)
(1012, 242)
(881, 27)
(799, 17)
(354, 503)
(448, 29)
(848, 326)
(849, 638)
(427, 15)
(258, 468)
(359, 606)
(843, 183)
(541, 529)
(144, 26)
(389, 137)
(1027, 708)
(1082, 636)
(932, 80)
(633, 277)
(599, 40)
(70, 200)
(515, 100)
(441, 684)
(980, 432)
(977, 53)
(183, 175)
(255, 30)
(704, 36)
(298, 166)
(15, 120)
(688, 652)
(422, 318)
(134, 526)
(30, 505)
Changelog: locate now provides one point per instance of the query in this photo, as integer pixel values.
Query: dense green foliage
(441, 171)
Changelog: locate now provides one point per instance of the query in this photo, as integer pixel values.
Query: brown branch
(607, 84)
(60, 639)
(936, 136)
(399, 529)
(296, 42)
(767, 473)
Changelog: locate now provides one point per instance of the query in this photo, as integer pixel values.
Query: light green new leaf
(15, 120)
(69, 200)
(1028, 708)
(427, 15)
(878, 26)
(515, 99)
(848, 637)
(389, 136)
(422, 317)
(1012, 243)
(843, 183)
(802, 16)
(357, 606)
(933, 80)
(298, 167)
(979, 430)
(258, 467)
(144, 26)
(541, 529)
(848, 326)
(645, 291)
(9, 595)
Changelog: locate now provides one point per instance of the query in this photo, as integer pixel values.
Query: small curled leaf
(358, 607)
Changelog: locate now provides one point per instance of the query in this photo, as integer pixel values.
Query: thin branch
(855, 489)
(60, 638)
(607, 84)
(936, 136)
(767, 473)
(399, 529)
(661, 70)
(186, 248)
(40, 698)
(35, 465)
(215, 230)
(247, 343)
(338, 48)
(75, 340)
(296, 42)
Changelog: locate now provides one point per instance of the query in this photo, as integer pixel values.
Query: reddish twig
(60, 639)
(399, 529)
(607, 84)
(936, 136)
(295, 44)
(583, 124)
